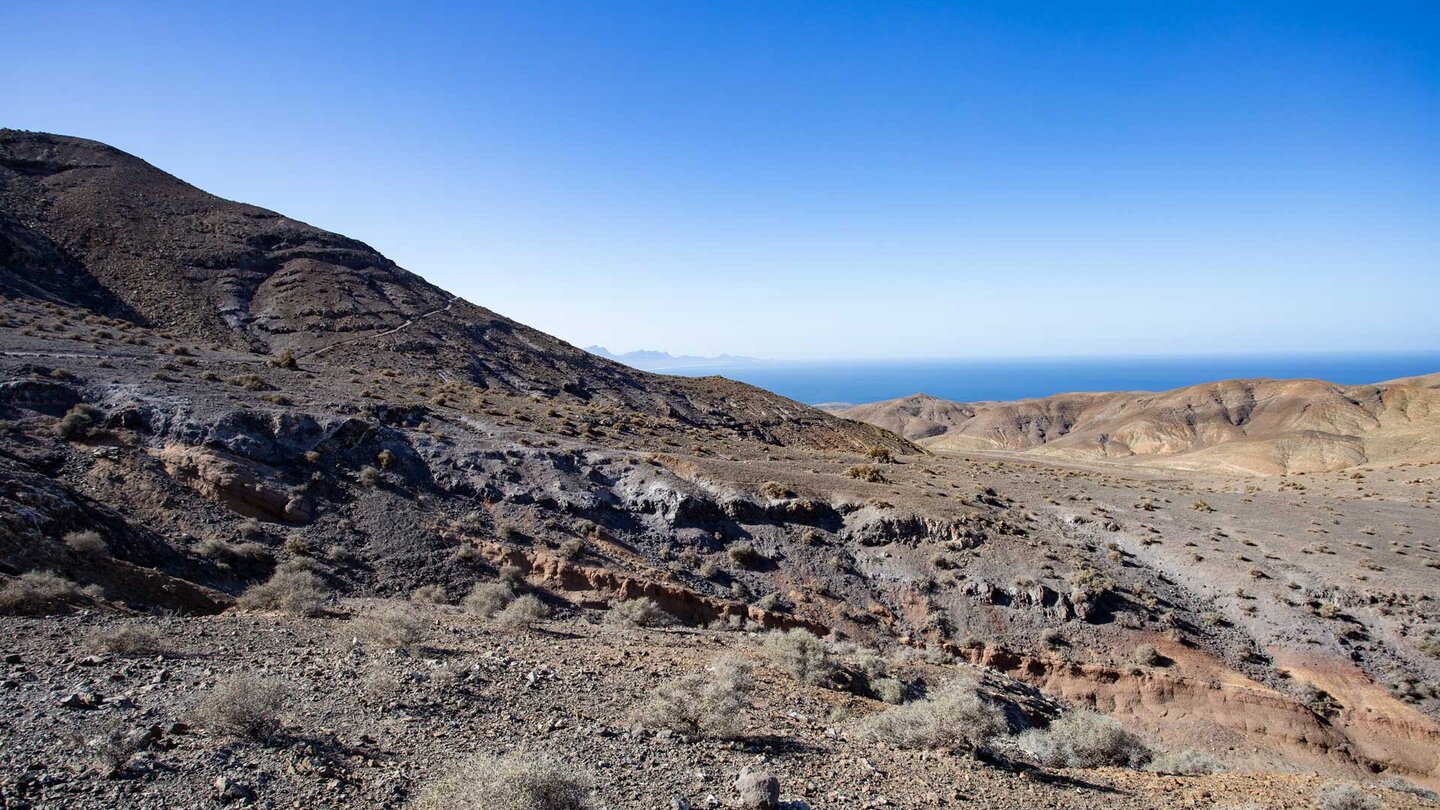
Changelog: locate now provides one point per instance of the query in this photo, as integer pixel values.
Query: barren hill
(1247, 426)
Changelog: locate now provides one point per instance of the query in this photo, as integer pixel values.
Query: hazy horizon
(811, 182)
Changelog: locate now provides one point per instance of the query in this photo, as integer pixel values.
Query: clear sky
(810, 180)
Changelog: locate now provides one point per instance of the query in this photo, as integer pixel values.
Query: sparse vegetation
(523, 612)
(642, 612)
(706, 704)
(38, 592)
(1084, 739)
(489, 598)
(955, 716)
(867, 473)
(430, 595)
(516, 781)
(296, 592)
(126, 640)
(743, 554)
(245, 707)
(89, 545)
(800, 653)
(394, 627)
(1346, 797)
(78, 422)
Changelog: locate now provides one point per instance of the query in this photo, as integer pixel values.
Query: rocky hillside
(84, 224)
(1244, 426)
(427, 528)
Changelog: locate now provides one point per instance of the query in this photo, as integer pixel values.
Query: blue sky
(811, 180)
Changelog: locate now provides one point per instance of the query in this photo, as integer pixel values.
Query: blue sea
(1001, 379)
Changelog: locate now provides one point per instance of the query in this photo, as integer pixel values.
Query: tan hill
(1246, 426)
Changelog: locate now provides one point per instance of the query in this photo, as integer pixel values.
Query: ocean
(1022, 378)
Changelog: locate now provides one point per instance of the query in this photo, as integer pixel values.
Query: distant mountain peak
(652, 360)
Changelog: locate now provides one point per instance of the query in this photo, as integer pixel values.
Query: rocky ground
(366, 726)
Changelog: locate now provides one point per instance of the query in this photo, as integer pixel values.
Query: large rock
(757, 789)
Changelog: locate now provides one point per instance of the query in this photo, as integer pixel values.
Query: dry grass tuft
(516, 781)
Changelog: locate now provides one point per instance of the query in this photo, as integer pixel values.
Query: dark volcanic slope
(84, 223)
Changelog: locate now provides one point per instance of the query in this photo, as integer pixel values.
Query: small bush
(369, 476)
(1346, 797)
(523, 612)
(1084, 739)
(488, 598)
(516, 781)
(880, 455)
(642, 612)
(38, 592)
(77, 423)
(125, 640)
(1186, 763)
(572, 549)
(956, 716)
(1147, 656)
(430, 595)
(89, 545)
(801, 654)
(743, 554)
(394, 627)
(889, 690)
(299, 593)
(865, 472)
(776, 491)
(244, 706)
(285, 359)
(705, 704)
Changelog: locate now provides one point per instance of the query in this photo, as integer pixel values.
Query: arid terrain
(283, 525)
(1264, 427)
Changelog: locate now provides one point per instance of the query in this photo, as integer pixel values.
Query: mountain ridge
(1256, 426)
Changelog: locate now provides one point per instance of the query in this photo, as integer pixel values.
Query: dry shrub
(38, 592)
(776, 491)
(88, 544)
(955, 716)
(297, 592)
(1084, 739)
(865, 472)
(743, 554)
(488, 598)
(642, 612)
(515, 781)
(1146, 655)
(1186, 763)
(78, 422)
(523, 612)
(801, 654)
(430, 595)
(702, 704)
(243, 706)
(1346, 797)
(394, 627)
(126, 640)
